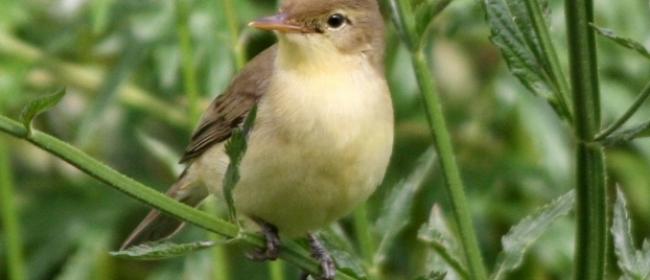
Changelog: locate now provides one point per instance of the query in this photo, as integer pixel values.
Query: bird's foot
(272, 249)
(320, 253)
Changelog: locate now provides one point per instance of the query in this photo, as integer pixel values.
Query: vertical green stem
(187, 58)
(449, 166)
(541, 28)
(13, 242)
(364, 234)
(230, 13)
(591, 208)
(276, 270)
(220, 263)
(405, 21)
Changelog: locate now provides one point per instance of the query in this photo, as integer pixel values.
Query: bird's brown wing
(229, 110)
(225, 113)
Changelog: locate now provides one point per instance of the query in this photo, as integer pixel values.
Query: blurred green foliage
(112, 55)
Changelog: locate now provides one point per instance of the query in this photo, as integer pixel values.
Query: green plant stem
(451, 173)
(404, 19)
(291, 252)
(90, 79)
(364, 234)
(230, 13)
(220, 261)
(276, 270)
(13, 241)
(591, 206)
(189, 72)
(541, 28)
(627, 115)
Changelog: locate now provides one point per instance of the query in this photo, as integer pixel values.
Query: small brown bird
(323, 134)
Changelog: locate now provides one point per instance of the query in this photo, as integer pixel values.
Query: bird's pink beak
(278, 23)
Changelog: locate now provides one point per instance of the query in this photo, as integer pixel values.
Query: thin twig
(627, 115)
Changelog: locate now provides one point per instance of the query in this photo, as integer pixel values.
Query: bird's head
(311, 30)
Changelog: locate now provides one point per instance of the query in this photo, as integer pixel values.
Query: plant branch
(541, 29)
(627, 115)
(591, 206)
(291, 252)
(12, 237)
(404, 19)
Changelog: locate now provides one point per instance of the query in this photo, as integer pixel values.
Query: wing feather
(229, 110)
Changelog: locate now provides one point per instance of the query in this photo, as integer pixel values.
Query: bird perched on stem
(323, 132)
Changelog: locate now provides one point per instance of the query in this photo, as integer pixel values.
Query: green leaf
(162, 250)
(348, 263)
(625, 42)
(638, 131)
(513, 32)
(38, 106)
(235, 148)
(634, 264)
(395, 214)
(437, 234)
(517, 241)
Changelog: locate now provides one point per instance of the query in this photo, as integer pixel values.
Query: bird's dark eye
(336, 20)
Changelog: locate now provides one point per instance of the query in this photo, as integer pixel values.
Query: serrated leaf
(623, 41)
(638, 131)
(634, 264)
(38, 106)
(397, 207)
(345, 259)
(162, 250)
(517, 241)
(235, 149)
(437, 234)
(513, 33)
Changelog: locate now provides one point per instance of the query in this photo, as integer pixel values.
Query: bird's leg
(319, 252)
(272, 250)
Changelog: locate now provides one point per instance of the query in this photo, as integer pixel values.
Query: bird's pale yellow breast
(321, 144)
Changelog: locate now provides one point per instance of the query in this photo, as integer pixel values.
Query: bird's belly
(319, 147)
(308, 183)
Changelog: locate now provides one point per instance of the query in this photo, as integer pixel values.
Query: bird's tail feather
(156, 225)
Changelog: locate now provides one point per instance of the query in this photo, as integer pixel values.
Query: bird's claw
(272, 249)
(319, 252)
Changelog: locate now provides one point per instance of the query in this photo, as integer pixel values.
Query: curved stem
(591, 206)
(645, 93)
(291, 252)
